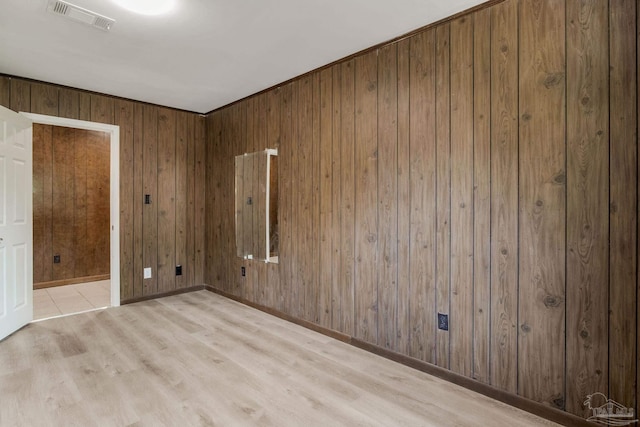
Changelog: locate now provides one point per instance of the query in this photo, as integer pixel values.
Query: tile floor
(70, 299)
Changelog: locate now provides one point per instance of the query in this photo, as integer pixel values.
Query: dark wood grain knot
(525, 328)
(504, 48)
(553, 79)
(371, 87)
(585, 100)
(539, 203)
(600, 132)
(371, 238)
(584, 334)
(526, 117)
(613, 207)
(462, 205)
(551, 301)
(559, 178)
(504, 251)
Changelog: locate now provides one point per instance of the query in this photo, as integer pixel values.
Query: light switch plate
(147, 273)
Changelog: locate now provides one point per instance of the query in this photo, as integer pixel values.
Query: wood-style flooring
(203, 360)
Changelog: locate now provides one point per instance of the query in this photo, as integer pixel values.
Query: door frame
(114, 187)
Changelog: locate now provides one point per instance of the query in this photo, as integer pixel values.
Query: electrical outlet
(243, 271)
(147, 273)
(178, 270)
(56, 259)
(443, 321)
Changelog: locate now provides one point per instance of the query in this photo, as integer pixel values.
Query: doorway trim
(114, 187)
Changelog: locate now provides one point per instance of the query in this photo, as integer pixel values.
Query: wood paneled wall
(70, 204)
(161, 154)
(485, 168)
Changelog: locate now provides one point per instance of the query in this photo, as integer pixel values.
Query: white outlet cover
(147, 273)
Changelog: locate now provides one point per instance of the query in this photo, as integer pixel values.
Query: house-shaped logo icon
(610, 412)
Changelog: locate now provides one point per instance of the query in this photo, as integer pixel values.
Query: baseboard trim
(163, 294)
(536, 408)
(73, 281)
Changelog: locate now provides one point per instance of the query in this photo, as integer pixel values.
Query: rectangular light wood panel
(587, 215)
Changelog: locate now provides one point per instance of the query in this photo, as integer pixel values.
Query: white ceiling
(206, 53)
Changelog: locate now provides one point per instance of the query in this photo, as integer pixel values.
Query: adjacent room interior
(420, 217)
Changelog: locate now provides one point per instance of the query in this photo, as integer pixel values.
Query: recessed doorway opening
(98, 290)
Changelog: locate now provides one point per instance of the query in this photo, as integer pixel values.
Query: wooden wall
(485, 168)
(70, 205)
(161, 154)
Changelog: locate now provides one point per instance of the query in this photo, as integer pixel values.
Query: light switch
(147, 273)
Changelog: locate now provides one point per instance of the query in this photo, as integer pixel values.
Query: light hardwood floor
(201, 359)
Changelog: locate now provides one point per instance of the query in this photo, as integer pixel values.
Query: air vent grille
(79, 14)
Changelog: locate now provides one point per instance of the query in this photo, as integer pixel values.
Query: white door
(16, 227)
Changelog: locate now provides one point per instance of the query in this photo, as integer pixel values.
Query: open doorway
(66, 284)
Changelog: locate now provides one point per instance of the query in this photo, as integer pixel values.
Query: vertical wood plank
(150, 187)
(139, 208)
(504, 196)
(42, 203)
(5, 91)
(542, 202)
(387, 196)
(404, 206)
(63, 214)
(461, 316)
(443, 186)
(422, 217)
(166, 242)
(336, 189)
(217, 228)
(85, 106)
(481, 193)
(98, 172)
(347, 198)
(366, 230)
(200, 197)
(296, 290)
(190, 229)
(44, 99)
(182, 138)
(124, 119)
(587, 216)
(306, 295)
(314, 287)
(623, 202)
(20, 95)
(102, 109)
(80, 204)
(326, 231)
(285, 201)
(69, 103)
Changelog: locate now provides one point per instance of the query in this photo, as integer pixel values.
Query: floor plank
(201, 359)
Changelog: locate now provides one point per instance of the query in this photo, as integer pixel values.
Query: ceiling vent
(80, 14)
